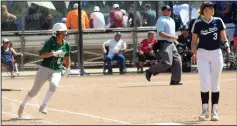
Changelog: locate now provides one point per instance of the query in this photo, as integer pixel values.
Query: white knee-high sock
(25, 100)
(47, 97)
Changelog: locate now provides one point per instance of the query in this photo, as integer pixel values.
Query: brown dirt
(119, 99)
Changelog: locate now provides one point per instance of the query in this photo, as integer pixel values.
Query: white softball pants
(42, 75)
(210, 64)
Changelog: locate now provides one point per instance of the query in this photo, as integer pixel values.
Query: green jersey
(52, 62)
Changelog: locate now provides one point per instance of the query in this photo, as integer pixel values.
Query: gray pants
(169, 58)
(42, 75)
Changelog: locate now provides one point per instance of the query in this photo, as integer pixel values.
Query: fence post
(22, 42)
(80, 43)
(134, 33)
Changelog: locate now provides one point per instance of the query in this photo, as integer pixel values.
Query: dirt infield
(118, 99)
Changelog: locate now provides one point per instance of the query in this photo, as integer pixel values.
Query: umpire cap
(166, 7)
(206, 4)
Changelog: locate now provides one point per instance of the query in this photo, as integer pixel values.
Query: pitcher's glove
(230, 58)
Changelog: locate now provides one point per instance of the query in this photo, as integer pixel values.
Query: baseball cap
(115, 6)
(166, 7)
(184, 27)
(63, 20)
(206, 4)
(75, 6)
(148, 5)
(5, 41)
(123, 11)
(117, 33)
(96, 8)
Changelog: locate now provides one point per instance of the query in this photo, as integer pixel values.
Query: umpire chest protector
(209, 33)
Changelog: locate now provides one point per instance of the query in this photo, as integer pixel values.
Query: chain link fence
(30, 25)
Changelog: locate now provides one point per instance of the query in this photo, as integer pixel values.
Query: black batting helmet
(204, 5)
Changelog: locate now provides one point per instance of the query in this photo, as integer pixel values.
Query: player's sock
(215, 98)
(205, 97)
(47, 97)
(25, 100)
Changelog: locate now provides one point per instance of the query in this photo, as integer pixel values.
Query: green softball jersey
(52, 62)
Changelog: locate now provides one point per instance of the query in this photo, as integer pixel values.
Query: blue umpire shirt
(167, 25)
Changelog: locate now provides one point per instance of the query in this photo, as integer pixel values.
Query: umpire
(168, 53)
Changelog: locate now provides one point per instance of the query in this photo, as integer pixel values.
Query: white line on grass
(14, 115)
(73, 113)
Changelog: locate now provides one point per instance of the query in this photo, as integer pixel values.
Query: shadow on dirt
(17, 119)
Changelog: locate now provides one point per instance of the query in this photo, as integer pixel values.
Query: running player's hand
(59, 53)
(67, 71)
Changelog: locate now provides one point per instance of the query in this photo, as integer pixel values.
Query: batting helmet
(206, 4)
(58, 27)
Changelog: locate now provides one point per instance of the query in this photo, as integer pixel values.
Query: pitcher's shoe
(204, 115)
(214, 116)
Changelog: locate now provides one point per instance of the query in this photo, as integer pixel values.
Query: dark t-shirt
(209, 33)
(131, 17)
(150, 15)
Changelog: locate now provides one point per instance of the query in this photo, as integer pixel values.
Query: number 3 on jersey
(215, 36)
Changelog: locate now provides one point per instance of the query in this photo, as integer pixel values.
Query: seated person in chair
(146, 51)
(7, 56)
(115, 48)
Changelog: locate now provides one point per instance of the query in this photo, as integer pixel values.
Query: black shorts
(144, 57)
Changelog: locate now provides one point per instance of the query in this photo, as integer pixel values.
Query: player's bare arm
(103, 47)
(68, 61)
(15, 53)
(225, 40)
(194, 43)
(46, 55)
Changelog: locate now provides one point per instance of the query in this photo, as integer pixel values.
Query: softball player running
(211, 32)
(53, 53)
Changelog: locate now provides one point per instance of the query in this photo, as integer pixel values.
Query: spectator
(7, 53)
(5, 15)
(64, 20)
(46, 20)
(97, 19)
(235, 39)
(146, 50)
(125, 18)
(149, 18)
(234, 11)
(115, 19)
(7, 20)
(115, 46)
(32, 19)
(225, 12)
(72, 18)
(131, 17)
